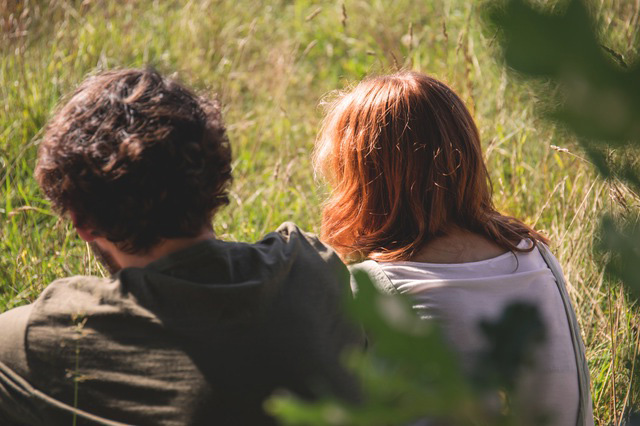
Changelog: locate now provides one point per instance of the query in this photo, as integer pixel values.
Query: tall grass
(271, 63)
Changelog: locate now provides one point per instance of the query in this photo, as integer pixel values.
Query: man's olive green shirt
(200, 337)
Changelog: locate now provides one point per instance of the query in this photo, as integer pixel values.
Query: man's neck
(162, 249)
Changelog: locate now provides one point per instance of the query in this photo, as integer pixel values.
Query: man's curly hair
(137, 157)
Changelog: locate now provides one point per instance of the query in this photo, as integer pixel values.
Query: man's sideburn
(105, 258)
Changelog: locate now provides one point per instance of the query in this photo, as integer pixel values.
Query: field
(271, 64)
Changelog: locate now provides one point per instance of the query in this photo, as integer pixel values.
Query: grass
(270, 64)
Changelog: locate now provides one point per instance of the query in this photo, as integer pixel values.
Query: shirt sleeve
(13, 360)
(13, 327)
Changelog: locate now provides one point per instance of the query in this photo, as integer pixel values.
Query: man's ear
(87, 234)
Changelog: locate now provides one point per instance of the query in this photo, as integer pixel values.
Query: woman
(411, 196)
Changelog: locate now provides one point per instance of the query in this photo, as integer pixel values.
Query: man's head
(136, 158)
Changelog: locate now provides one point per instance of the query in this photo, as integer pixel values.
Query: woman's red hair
(403, 156)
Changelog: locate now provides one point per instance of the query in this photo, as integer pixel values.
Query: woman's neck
(458, 246)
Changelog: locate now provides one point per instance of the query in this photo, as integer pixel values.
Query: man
(188, 329)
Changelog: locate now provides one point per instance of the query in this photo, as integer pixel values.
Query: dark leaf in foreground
(600, 99)
(623, 241)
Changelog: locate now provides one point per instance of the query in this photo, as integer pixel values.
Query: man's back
(201, 336)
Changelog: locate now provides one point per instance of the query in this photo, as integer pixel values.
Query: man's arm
(13, 326)
(13, 359)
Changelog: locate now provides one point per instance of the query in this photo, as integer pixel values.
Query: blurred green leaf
(599, 99)
(512, 339)
(623, 241)
(409, 372)
(398, 333)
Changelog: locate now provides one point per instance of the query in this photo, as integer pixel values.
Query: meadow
(272, 64)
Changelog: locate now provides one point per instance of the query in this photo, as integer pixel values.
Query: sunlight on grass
(271, 64)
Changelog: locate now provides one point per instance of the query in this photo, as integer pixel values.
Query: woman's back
(460, 295)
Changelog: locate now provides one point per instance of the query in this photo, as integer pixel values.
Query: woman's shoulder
(370, 270)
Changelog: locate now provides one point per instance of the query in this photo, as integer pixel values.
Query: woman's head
(403, 156)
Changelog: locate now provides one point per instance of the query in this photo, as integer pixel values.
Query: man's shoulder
(75, 293)
(289, 231)
(311, 265)
(78, 282)
(304, 241)
(66, 302)
(310, 250)
(287, 228)
(14, 321)
(63, 295)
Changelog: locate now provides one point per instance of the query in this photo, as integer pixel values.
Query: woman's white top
(460, 295)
